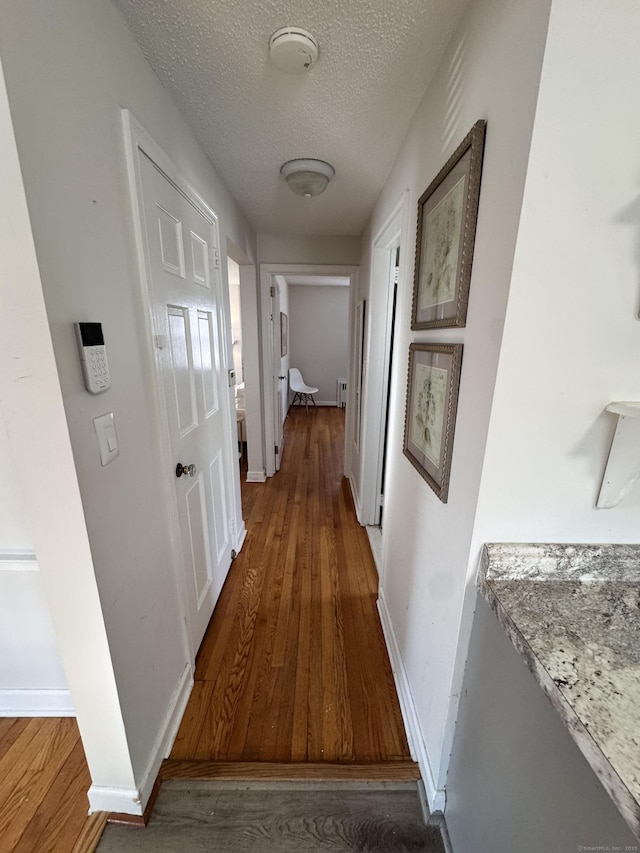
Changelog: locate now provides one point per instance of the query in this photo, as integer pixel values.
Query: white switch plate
(107, 438)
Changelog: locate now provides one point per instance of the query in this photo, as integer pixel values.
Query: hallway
(293, 667)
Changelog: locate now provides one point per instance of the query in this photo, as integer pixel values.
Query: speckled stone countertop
(573, 613)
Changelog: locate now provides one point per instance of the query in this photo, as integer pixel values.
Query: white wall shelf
(623, 464)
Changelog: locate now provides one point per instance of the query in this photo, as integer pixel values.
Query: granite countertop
(573, 613)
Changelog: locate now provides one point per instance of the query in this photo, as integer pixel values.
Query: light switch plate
(107, 438)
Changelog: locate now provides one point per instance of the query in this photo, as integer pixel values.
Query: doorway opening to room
(305, 310)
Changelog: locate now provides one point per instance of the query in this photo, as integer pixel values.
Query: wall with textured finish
(491, 70)
(352, 109)
(71, 148)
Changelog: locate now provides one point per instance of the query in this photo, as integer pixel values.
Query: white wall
(32, 679)
(70, 67)
(491, 70)
(32, 411)
(285, 249)
(571, 345)
(572, 336)
(319, 326)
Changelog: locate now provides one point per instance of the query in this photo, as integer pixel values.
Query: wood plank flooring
(44, 781)
(293, 667)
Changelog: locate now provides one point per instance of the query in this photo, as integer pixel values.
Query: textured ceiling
(352, 109)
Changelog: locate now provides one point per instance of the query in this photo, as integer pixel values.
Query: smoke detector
(293, 50)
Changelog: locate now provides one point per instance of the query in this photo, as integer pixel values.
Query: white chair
(303, 392)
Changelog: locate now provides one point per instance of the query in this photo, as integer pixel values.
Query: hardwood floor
(293, 667)
(43, 786)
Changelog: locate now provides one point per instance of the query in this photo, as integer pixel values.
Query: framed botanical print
(432, 400)
(447, 217)
(284, 334)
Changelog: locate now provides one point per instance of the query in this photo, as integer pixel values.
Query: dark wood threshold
(134, 819)
(386, 771)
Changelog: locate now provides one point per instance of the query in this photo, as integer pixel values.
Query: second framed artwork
(430, 417)
(447, 217)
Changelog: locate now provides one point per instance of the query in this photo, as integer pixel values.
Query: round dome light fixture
(307, 176)
(293, 50)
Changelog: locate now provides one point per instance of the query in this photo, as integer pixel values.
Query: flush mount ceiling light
(293, 50)
(307, 177)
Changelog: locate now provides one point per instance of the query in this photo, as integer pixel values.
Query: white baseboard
(256, 477)
(133, 801)
(122, 800)
(333, 403)
(36, 702)
(167, 734)
(356, 499)
(436, 797)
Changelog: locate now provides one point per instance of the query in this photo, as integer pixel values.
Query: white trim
(131, 800)
(167, 734)
(436, 797)
(122, 800)
(36, 702)
(333, 403)
(392, 234)
(267, 272)
(256, 477)
(354, 495)
(18, 561)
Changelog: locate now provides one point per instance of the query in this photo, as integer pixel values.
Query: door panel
(220, 521)
(199, 258)
(185, 290)
(208, 366)
(171, 248)
(181, 368)
(198, 539)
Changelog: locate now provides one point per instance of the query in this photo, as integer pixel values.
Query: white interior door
(186, 294)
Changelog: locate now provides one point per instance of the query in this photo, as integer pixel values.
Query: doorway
(279, 330)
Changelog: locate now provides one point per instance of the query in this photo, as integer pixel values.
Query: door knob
(282, 377)
(187, 470)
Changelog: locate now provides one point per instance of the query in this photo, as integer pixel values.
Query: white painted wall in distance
(571, 345)
(71, 149)
(490, 70)
(319, 329)
(32, 680)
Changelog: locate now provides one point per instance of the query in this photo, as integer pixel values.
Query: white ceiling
(352, 109)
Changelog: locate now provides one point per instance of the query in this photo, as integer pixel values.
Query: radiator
(341, 396)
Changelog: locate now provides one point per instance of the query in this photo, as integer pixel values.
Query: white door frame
(138, 140)
(380, 309)
(267, 273)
